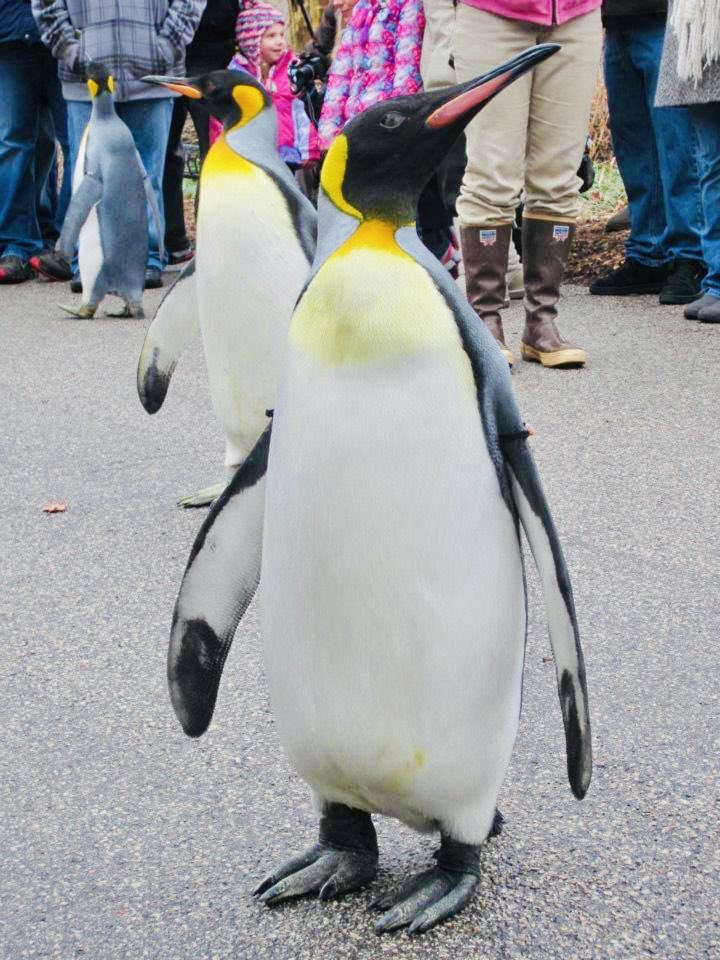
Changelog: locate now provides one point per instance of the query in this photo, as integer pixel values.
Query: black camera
(306, 70)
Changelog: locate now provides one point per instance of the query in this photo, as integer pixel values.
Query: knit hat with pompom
(253, 20)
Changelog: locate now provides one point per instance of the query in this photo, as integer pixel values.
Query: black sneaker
(153, 278)
(630, 279)
(15, 270)
(683, 282)
(76, 284)
(51, 265)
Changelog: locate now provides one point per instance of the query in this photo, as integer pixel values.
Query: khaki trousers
(531, 136)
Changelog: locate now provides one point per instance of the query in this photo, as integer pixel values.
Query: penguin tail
(539, 528)
(220, 580)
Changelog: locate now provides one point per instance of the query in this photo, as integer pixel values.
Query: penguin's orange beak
(184, 87)
(464, 100)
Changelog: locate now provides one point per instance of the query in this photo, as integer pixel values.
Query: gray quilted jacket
(130, 37)
(672, 91)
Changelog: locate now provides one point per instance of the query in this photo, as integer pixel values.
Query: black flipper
(220, 580)
(174, 326)
(560, 608)
(81, 203)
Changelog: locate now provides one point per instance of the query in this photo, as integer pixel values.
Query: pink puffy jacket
(545, 12)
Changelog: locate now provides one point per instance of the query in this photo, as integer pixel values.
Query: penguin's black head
(378, 166)
(98, 79)
(234, 97)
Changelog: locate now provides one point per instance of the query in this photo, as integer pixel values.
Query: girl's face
(273, 44)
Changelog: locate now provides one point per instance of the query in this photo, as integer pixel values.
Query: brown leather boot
(485, 255)
(546, 245)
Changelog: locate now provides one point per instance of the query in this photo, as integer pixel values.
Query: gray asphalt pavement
(120, 838)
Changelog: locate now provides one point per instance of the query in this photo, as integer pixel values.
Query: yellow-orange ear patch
(110, 84)
(333, 174)
(93, 88)
(250, 101)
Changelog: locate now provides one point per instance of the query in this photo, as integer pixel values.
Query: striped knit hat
(252, 22)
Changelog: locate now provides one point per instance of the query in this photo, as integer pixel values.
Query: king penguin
(393, 482)
(107, 216)
(255, 241)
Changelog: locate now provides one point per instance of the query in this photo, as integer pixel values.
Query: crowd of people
(512, 184)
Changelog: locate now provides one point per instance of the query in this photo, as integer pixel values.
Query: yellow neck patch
(250, 101)
(371, 302)
(223, 161)
(372, 235)
(333, 174)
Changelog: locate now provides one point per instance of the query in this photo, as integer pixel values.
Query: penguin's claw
(204, 498)
(323, 870)
(436, 895)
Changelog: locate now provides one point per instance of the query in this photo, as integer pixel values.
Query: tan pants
(437, 48)
(531, 136)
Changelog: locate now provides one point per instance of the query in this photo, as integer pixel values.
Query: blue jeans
(32, 116)
(51, 203)
(706, 120)
(149, 123)
(656, 150)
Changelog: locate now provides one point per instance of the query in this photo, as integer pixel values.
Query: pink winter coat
(378, 58)
(545, 12)
(297, 137)
(297, 140)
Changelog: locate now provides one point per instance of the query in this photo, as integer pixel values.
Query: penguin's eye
(392, 120)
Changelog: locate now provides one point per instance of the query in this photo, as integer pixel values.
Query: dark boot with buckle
(546, 245)
(485, 255)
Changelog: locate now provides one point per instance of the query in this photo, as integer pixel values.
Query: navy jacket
(17, 22)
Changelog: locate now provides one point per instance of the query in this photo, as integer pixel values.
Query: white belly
(392, 594)
(90, 251)
(250, 271)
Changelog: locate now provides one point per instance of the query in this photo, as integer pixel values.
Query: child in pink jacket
(263, 52)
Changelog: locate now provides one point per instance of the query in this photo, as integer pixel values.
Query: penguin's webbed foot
(132, 310)
(329, 873)
(204, 498)
(86, 311)
(344, 860)
(434, 895)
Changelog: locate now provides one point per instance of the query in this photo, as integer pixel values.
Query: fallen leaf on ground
(55, 508)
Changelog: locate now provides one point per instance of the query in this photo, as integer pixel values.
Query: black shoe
(76, 284)
(153, 278)
(683, 282)
(15, 270)
(630, 279)
(51, 265)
